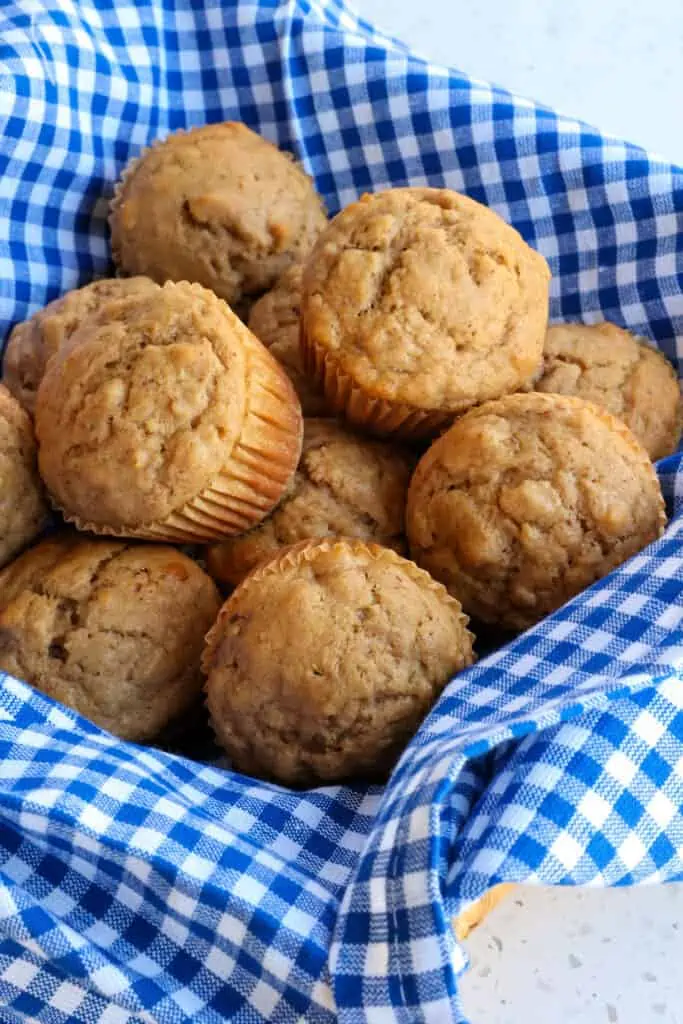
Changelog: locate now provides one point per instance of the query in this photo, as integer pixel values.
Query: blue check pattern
(138, 886)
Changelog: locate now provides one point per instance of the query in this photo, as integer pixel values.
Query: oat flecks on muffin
(275, 320)
(526, 501)
(165, 418)
(324, 661)
(624, 374)
(219, 205)
(23, 507)
(345, 485)
(112, 630)
(418, 303)
(32, 342)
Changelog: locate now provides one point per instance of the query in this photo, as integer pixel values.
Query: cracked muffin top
(23, 506)
(609, 366)
(526, 501)
(345, 485)
(112, 630)
(219, 205)
(32, 342)
(161, 403)
(425, 297)
(324, 661)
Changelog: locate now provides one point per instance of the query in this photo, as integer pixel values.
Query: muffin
(32, 342)
(418, 303)
(275, 320)
(165, 418)
(345, 485)
(218, 205)
(527, 500)
(623, 374)
(112, 630)
(466, 922)
(23, 508)
(324, 661)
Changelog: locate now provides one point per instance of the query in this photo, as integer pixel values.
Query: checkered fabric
(140, 886)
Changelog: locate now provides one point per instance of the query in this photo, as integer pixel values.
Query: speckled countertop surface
(551, 956)
(563, 956)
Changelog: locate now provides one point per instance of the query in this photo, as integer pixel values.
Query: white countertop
(617, 64)
(551, 956)
(566, 956)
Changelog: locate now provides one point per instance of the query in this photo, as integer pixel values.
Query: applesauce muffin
(624, 374)
(526, 501)
(165, 418)
(345, 485)
(275, 320)
(418, 303)
(23, 507)
(324, 661)
(32, 342)
(218, 205)
(114, 631)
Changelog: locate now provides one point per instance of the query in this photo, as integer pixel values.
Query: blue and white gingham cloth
(136, 886)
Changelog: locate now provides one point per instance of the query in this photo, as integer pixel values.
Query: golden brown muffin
(218, 205)
(275, 320)
(418, 303)
(345, 485)
(114, 631)
(165, 418)
(32, 342)
(23, 508)
(526, 501)
(324, 661)
(466, 922)
(622, 373)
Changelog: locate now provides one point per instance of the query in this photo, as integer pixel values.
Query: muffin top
(23, 509)
(138, 412)
(219, 205)
(32, 342)
(527, 500)
(606, 365)
(113, 630)
(275, 320)
(425, 297)
(324, 661)
(345, 485)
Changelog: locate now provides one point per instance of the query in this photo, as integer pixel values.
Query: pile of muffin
(363, 429)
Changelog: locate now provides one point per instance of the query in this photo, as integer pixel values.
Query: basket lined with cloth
(141, 886)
